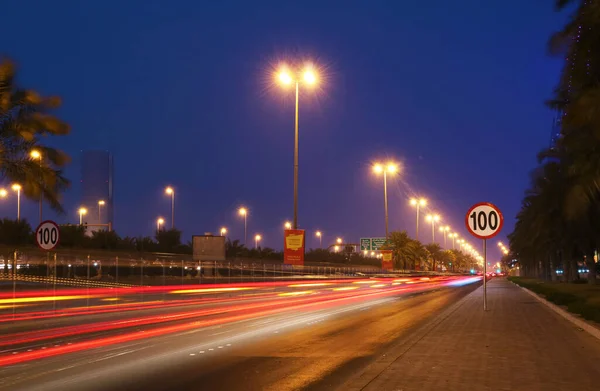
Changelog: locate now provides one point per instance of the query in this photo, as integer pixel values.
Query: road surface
(261, 336)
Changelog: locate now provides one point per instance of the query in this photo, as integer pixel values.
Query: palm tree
(435, 252)
(24, 119)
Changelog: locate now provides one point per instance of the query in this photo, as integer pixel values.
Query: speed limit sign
(484, 220)
(47, 235)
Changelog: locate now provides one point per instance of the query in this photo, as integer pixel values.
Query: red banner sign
(293, 247)
(387, 259)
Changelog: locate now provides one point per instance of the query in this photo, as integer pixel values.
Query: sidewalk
(519, 344)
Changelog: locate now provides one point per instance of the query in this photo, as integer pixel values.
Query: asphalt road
(282, 336)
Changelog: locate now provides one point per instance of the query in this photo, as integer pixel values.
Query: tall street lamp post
(16, 187)
(170, 191)
(390, 168)
(418, 203)
(307, 77)
(432, 219)
(244, 212)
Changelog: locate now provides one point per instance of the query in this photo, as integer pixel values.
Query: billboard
(208, 248)
(387, 260)
(293, 247)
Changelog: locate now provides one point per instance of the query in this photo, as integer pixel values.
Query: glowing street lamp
(444, 230)
(287, 225)
(307, 77)
(339, 240)
(244, 212)
(257, 239)
(82, 211)
(223, 231)
(390, 168)
(37, 155)
(432, 219)
(319, 235)
(3, 193)
(101, 203)
(418, 203)
(16, 187)
(159, 222)
(170, 191)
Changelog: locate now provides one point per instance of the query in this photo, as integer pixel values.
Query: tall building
(97, 188)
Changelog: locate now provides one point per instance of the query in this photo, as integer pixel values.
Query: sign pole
(485, 274)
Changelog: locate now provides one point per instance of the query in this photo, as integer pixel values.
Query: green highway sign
(365, 244)
(371, 244)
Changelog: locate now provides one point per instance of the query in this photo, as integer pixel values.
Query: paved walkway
(519, 344)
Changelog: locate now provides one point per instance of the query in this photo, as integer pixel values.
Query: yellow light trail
(209, 290)
(346, 288)
(39, 299)
(311, 284)
(295, 293)
(364, 282)
(377, 285)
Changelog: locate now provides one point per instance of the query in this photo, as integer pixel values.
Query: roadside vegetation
(582, 299)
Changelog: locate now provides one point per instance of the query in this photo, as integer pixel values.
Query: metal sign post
(484, 221)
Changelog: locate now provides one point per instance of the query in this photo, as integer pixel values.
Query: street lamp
(287, 225)
(37, 155)
(339, 240)
(418, 203)
(432, 219)
(160, 221)
(3, 193)
(244, 212)
(223, 231)
(257, 239)
(286, 78)
(16, 187)
(444, 230)
(453, 235)
(320, 236)
(169, 190)
(101, 203)
(391, 168)
(82, 211)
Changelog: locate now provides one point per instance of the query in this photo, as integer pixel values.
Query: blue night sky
(180, 92)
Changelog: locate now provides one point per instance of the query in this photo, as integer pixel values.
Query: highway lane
(286, 337)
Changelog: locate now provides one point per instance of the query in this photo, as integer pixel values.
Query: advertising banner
(293, 247)
(387, 260)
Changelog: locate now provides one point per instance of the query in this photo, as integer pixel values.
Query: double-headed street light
(244, 212)
(418, 203)
(287, 77)
(390, 168)
(37, 155)
(432, 219)
(170, 191)
(319, 235)
(453, 235)
(101, 203)
(82, 211)
(257, 239)
(16, 187)
(444, 230)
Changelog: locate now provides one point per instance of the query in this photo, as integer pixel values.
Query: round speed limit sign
(47, 235)
(484, 220)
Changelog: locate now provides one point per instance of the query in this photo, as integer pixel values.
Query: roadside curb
(582, 324)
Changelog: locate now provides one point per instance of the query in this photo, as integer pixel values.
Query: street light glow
(242, 211)
(35, 154)
(16, 187)
(392, 168)
(101, 202)
(169, 190)
(318, 234)
(285, 77)
(82, 211)
(420, 202)
(223, 231)
(378, 168)
(288, 225)
(432, 218)
(339, 240)
(160, 221)
(310, 77)
(3, 193)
